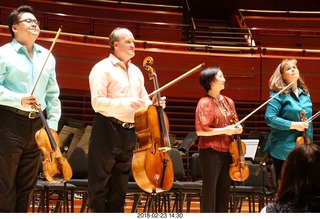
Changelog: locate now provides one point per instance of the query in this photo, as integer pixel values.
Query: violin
(304, 138)
(239, 170)
(56, 167)
(152, 166)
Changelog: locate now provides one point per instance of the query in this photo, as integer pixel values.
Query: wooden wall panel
(241, 71)
(75, 60)
(246, 79)
(283, 22)
(82, 23)
(100, 11)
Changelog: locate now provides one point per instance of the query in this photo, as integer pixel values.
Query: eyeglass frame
(29, 21)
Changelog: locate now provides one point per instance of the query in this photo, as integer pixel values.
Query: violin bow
(177, 79)
(250, 114)
(44, 64)
(313, 117)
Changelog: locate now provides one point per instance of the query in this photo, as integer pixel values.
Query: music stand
(251, 145)
(186, 144)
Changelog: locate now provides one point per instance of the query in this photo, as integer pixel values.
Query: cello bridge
(164, 149)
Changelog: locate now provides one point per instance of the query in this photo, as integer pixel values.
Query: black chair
(79, 164)
(155, 202)
(84, 141)
(69, 138)
(196, 174)
(270, 195)
(183, 190)
(255, 187)
(37, 200)
(57, 197)
(137, 193)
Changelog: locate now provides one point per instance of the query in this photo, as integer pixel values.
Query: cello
(152, 166)
(56, 168)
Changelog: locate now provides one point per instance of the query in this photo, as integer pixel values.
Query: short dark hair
(15, 16)
(207, 76)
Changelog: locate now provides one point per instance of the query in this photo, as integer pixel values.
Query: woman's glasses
(29, 21)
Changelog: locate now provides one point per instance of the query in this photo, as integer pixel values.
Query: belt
(30, 115)
(125, 125)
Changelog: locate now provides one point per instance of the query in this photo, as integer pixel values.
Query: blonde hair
(276, 81)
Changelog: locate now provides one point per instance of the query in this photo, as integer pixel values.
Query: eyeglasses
(29, 21)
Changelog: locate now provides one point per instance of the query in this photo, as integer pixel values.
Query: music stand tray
(188, 142)
(252, 145)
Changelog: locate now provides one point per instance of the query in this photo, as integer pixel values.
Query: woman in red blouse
(215, 125)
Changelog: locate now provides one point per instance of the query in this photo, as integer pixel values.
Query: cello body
(152, 167)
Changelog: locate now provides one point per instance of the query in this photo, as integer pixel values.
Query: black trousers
(19, 160)
(215, 180)
(277, 164)
(109, 164)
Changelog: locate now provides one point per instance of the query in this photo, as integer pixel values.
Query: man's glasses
(29, 21)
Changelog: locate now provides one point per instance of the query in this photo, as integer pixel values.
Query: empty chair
(79, 164)
(183, 190)
(69, 138)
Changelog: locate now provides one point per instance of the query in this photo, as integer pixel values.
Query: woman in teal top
(283, 113)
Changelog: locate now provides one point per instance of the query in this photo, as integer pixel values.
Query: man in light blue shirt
(21, 62)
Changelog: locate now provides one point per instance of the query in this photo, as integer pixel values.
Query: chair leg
(249, 204)
(183, 197)
(240, 204)
(84, 204)
(253, 204)
(136, 201)
(41, 201)
(188, 200)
